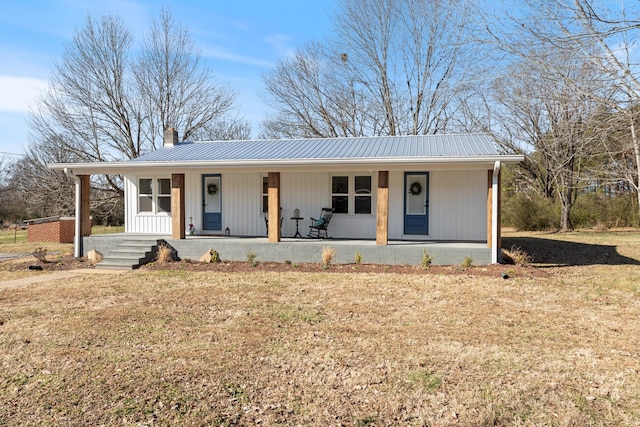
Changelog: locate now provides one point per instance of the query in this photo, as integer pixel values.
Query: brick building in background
(52, 229)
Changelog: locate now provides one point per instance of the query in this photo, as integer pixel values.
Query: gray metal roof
(381, 147)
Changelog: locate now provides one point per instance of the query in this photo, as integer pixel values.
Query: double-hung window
(362, 197)
(154, 195)
(351, 194)
(265, 194)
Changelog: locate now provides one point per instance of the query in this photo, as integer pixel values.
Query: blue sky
(239, 39)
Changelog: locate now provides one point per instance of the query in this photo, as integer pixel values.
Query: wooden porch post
(178, 222)
(85, 212)
(382, 216)
(274, 206)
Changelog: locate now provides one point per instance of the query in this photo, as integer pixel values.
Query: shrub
(426, 259)
(215, 256)
(603, 212)
(519, 256)
(40, 254)
(327, 256)
(467, 262)
(358, 258)
(531, 213)
(165, 254)
(251, 258)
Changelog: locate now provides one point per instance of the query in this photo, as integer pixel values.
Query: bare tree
(105, 102)
(313, 97)
(394, 67)
(177, 90)
(616, 34)
(545, 116)
(607, 40)
(41, 191)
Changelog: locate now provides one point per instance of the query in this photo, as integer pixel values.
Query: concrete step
(130, 254)
(117, 265)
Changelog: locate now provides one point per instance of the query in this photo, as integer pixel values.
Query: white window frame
(155, 195)
(351, 193)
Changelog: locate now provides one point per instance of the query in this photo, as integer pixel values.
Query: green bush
(426, 259)
(596, 210)
(531, 213)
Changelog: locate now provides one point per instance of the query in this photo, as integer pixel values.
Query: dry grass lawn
(355, 349)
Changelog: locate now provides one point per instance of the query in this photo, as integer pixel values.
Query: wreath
(415, 188)
(212, 188)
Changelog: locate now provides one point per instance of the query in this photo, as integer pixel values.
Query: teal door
(212, 202)
(416, 203)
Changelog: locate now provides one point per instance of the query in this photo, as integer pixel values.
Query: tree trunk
(565, 217)
(636, 152)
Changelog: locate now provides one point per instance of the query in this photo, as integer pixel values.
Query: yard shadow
(562, 253)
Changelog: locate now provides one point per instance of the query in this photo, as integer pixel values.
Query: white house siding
(457, 205)
(310, 192)
(144, 222)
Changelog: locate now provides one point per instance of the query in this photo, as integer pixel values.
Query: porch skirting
(308, 250)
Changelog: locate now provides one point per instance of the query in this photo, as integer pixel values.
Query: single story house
(426, 188)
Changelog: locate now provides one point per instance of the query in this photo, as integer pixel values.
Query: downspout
(77, 239)
(496, 251)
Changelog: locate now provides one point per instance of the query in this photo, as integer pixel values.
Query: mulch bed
(68, 262)
(495, 270)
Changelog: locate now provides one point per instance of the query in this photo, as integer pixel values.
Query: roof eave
(122, 167)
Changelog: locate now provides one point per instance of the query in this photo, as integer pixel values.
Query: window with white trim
(362, 196)
(351, 194)
(265, 194)
(154, 195)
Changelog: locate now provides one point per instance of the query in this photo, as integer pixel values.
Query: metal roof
(386, 151)
(381, 147)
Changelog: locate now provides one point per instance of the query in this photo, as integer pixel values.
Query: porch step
(130, 254)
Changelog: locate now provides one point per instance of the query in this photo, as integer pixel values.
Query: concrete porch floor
(299, 250)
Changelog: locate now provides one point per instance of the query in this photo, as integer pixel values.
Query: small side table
(297, 219)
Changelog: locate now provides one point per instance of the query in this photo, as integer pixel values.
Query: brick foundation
(53, 229)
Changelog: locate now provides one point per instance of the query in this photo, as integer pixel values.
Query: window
(362, 202)
(164, 195)
(340, 194)
(145, 195)
(265, 194)
(351, 194)
(154, 195)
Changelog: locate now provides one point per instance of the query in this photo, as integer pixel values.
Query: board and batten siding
(143, 222)
(457, 205)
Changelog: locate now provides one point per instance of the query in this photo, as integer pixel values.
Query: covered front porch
(298, 250)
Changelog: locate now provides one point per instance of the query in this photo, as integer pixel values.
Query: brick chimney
(170, 137)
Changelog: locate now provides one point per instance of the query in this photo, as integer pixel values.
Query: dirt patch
(53, 263)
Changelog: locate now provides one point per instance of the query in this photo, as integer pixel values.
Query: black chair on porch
(318, 227)
(266, 222)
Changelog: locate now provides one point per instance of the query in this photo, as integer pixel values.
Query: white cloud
(281, 44)
(215, 53)
(18, 93)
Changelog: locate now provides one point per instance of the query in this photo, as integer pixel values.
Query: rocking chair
(318, 227)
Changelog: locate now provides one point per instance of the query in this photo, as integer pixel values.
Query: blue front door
(416, 203)
(212, 202)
